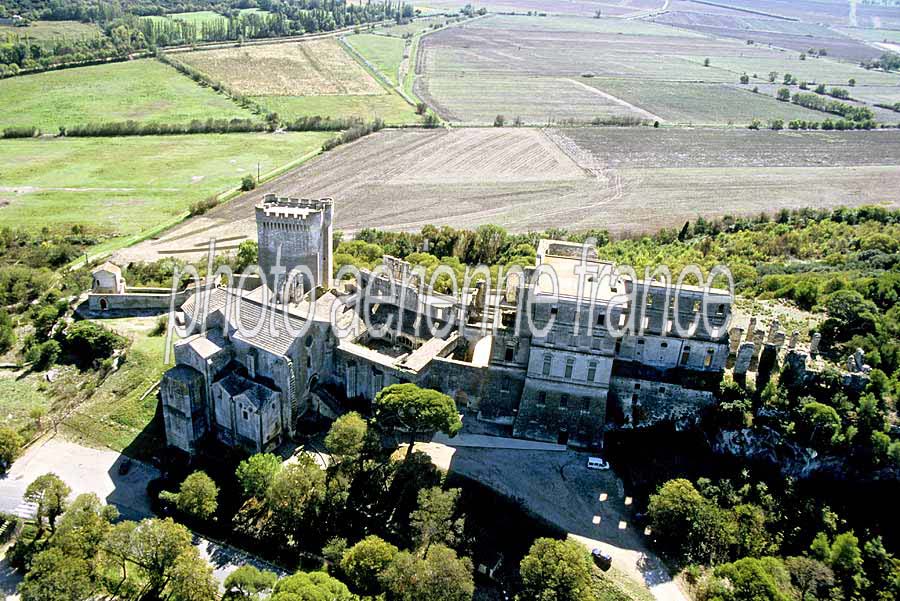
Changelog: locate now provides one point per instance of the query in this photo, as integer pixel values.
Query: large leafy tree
(556, 569)
(83, 527)
(50, 494)
(256, 473)
(155, 546)
(314, 586)
(347, 438)
(436, 521)
(688, 527)
(55, 575)
(197, 497)
(751, 579)
(413, 410)
(192, 578)
(10, 446)
(295, 492)
(438, 576)
(365, 562)
(247, 582)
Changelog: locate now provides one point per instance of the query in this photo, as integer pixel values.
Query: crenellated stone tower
(295, 232)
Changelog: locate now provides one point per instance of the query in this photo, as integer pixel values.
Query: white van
(596, 463)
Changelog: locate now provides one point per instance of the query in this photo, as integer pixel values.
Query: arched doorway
(104, 305)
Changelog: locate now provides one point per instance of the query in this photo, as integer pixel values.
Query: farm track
(621, 179)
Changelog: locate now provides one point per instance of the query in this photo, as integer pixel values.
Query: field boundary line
(371, 69)
(617, 100)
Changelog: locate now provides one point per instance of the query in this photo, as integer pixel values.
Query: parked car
(596, 463)
(602, 559)
(124, 467)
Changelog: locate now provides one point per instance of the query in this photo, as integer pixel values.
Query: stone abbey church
(259, 360)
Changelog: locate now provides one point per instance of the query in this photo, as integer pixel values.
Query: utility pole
(257, 172)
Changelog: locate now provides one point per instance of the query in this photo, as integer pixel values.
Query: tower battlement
(295, 232)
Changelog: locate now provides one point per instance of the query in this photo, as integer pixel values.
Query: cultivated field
(558, 70)
(127, 185)
(143, 90)
(628, 179)
(46, 31)
(794, 35)
(699, 104)
(582, 8)
(313, 68)
(384, 53)
(413, 27)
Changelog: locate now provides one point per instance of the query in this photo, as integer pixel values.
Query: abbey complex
(540, 360)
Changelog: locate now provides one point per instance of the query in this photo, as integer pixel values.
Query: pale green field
(144, 90)
(817, 70)
(408, 29)
(45, 31)
(389, 107)
(200, 17)
(701, 104)
(129, 185)
(872, 35)
(385, 53)
(580, 25)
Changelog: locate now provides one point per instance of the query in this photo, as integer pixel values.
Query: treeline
(124, 32)
(818, 103)
(889, 61)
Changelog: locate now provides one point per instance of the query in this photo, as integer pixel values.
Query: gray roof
(261, 326)
(257, 393)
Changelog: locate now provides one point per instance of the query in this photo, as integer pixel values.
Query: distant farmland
(316, 77)
(144, 90)
(563, 70)
(583, 8)
(623, 179)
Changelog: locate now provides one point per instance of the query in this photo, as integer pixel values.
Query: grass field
(116, 416)
(199, 18)
(316, 67)
(389, 107)
(383, 52)
(128, 185)
(820, 70)
(143, 90)
(872, 35)
(582, 8)
(408, 29)
(46, 31)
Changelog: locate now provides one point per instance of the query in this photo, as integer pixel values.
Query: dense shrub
(87, 341)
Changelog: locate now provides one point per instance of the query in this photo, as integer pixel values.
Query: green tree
(247, 254)
(752, 579)
(413, 410)
(192, 578)
(154, 547)
(197, 497)
(247, 582)
(849, 314)
(248, 183)
(882, 572)
(256, 473)
(688, 527)
(558, 570)
(439, 576)
(10, 446)
(295, 492)
(810, 577)
(819, 424)
(436, 521)
(49, 493)
(365, 562)
(89, 341)
(847, 563)
(7, 332)
(347, 438)
(783, 94)
(751, 536)
(314, 586)
(57, 576)
(84, 526)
